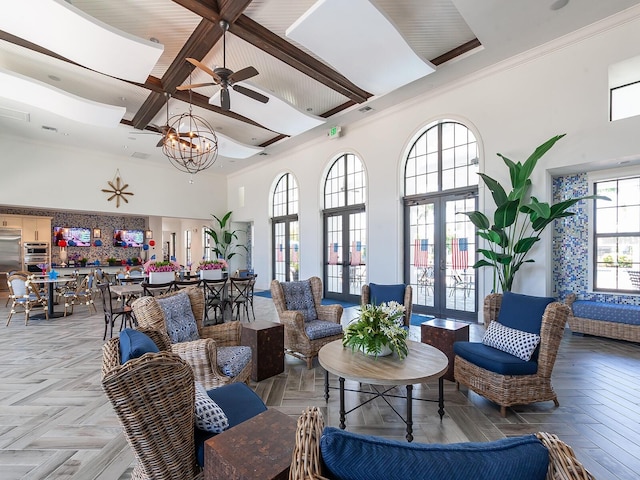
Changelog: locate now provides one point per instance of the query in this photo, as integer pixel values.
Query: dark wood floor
(56, 423)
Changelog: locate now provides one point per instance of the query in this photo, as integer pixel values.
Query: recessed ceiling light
(154, 40)
(54, 78)
(309, 109)
(558, 4)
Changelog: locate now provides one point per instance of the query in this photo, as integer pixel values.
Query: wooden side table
(259, 448)
(441, 333)
(266, 340)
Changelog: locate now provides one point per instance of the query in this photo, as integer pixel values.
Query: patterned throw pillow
(209, 416)
(181, 324)
(516, 342)
(299, 297)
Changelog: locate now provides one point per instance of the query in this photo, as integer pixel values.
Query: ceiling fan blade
(195, 85)
(243, 74)
(251, 94)
(160, 143)
(225, 102)
(201, 66)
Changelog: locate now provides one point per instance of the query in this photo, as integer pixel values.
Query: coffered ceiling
(459, 37)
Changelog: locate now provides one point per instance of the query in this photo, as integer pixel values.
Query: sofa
(331, 453)
(604, 319)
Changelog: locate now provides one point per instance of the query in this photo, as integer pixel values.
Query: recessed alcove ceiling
(459, 37)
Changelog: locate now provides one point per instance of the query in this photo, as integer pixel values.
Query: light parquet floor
(56, 423)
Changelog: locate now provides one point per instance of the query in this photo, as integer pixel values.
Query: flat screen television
(78, 236)
(130, 238)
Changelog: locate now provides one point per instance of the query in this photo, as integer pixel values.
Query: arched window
(345, 229)
(285, 229)
(440, 182)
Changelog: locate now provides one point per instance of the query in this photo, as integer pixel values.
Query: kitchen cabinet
(36, 229)
(10, 221)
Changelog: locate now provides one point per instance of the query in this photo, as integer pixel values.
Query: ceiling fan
(167, 131)
(226, 78)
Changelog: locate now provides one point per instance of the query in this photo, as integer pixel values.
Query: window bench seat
(603, 319)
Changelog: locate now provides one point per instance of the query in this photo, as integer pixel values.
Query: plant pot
(384, 351)
(211, 274)
(161, 277)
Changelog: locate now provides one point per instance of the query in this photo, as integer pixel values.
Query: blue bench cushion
(349, 456)
(493, 359)
(239, 403)
(386, 293)
(231, 360)
(298, 296)
(321, 328)
(134, 344)
(609, 312)
(523, 312)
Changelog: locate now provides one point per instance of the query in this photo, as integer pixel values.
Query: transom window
(285, 196)
(444, 157)
(345, 183)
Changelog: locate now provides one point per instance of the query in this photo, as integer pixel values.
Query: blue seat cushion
(239, 403)
(349, 456)
(134, 344)
(386, 293)
(523, 312)
(299, 296)
(231, 360)
(321, 328)
(609, 312)
(493, 359)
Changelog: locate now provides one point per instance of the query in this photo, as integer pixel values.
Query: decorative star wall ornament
(117, 189)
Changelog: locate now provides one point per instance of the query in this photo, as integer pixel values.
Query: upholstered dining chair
(83, 293)
(213, 351)
(374, 293)
(513, 363)
(308, 325)
(25, 296)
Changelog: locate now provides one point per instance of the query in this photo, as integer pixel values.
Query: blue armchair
(498, 368)
(375, 293)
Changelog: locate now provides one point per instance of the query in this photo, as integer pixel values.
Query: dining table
(128, 291)
(50, 283)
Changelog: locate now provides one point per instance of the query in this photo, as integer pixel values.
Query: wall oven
(34, 254)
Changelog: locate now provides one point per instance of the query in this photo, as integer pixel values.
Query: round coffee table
(423, 363)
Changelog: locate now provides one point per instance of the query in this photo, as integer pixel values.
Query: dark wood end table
(441, 333)
(266, 340)
(259, 448)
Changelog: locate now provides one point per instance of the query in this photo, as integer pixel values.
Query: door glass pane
(278, 254)
(461, 254)
(335, 254)
(358, 252)
(294, 251)
(421, 246)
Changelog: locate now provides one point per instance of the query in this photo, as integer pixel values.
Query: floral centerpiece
(161, 266)
(212, 269)
(217, 264)
(378, 330)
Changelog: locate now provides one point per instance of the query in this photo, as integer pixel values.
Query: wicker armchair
(507, 390)
(200, 354)
(406, 300)
(296, 340)
(307, 458)
(153, 397)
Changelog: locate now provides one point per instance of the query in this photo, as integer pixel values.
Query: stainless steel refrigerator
(10, 240)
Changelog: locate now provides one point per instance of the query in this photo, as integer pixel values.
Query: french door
(345, 258)
(439, 254)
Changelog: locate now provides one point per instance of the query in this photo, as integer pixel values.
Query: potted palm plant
(518, 220)
(225, 240)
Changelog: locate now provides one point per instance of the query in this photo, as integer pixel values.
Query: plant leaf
(531, 162)
(499, 195)
(506, 214)
(478, 219)
(524, 244)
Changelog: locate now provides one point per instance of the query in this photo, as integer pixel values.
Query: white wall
(72, 179)
(512, 108)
